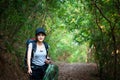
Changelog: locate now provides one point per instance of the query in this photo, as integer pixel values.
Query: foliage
(77, 30)
(106, 40)
(63, 47)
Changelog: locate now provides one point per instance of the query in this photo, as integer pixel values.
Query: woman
(37, 65)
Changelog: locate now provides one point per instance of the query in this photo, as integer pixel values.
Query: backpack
(33, 41)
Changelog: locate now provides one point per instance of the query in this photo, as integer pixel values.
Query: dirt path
(67, 71)
(78, 71)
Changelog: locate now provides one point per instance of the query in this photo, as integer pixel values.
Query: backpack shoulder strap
(33, 45)
(46, 47)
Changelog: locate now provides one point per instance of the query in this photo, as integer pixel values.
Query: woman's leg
(30, 77)
(37, 74)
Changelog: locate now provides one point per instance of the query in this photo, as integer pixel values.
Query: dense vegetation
(78, 31)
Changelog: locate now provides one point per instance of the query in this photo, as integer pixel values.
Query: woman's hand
(30, 71)
(47, 61)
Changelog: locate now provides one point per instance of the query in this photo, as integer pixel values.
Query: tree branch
(101, 12)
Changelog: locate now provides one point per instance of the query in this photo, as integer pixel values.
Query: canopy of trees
(76, 30)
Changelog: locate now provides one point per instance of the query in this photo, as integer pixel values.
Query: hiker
(39, 62)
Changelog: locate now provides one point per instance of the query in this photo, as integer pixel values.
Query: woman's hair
(36, 38)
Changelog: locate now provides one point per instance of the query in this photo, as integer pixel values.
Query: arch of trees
(73, 28)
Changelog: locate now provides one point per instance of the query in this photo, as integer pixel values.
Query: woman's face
(40, 37)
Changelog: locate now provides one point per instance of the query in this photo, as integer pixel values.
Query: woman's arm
(48, 59)
(29, 58)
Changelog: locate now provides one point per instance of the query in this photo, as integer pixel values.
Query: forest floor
(78, 71)
(11, 70)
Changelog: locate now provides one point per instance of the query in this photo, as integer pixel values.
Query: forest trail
(67, 71)
(78, 71)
